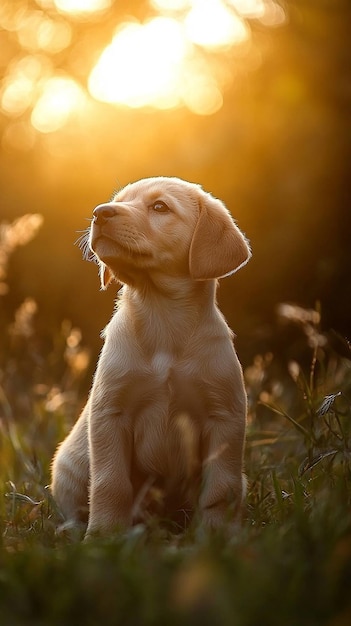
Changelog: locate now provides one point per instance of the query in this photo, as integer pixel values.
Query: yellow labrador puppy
(163, 429)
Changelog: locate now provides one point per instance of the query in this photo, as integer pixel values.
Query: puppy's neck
(162, 313)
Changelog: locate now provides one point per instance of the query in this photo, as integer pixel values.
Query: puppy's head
(165, 226)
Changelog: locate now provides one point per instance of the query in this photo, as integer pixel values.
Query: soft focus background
(249, 98)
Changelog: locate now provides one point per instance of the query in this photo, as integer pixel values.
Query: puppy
(163, 429)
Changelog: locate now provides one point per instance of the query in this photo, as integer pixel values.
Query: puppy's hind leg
(70, 475)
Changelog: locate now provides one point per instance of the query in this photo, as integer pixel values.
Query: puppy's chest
(165, 385)
(168, 415)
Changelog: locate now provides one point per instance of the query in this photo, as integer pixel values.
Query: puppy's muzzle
(103, 212)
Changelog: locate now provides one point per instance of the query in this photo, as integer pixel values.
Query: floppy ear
(106, 276)
(218, 247)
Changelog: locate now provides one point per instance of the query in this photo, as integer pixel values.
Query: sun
(182, 55)
(142, 65)
(155, 64)
(166, 61)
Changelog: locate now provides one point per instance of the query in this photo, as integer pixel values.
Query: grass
(289, 564)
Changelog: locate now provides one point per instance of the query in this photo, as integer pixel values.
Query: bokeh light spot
(213, 25)
(10, 15)
(156, 63)
(18, 136)
(20, 86)
(181, 57)
(33, 66)
(203, 96)
(249, 8)
(60, 98)
(142, 64)
(82, 6)
(17, 96)
(54, 36)
(274, 15)
(171, 5)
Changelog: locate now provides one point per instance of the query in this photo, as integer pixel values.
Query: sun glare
(212, 25)
(142, 64)
(156, 63)
(183, 55)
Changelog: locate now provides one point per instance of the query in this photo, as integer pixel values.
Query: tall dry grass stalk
(12, 236)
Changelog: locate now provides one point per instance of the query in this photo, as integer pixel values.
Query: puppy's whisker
(116, 190)
(83, 244)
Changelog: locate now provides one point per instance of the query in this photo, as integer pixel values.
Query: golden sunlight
(171, 5)
(165, 61)
(249, 8)
(61, 97)
(142, 66)
(37, 31)
(202, 95)
(82, 6)
(155, 64)
(16, 95)
(213, 25)
(19, 87)
(180, 56)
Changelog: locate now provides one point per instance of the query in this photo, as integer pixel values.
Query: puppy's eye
(160, 207)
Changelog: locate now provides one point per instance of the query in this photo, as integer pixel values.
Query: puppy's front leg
(70, 474)
(223, 481)
(111, 493)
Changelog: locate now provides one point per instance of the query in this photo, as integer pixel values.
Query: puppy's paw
(72, 530)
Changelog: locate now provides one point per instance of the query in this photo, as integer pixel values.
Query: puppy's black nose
(103, 212)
